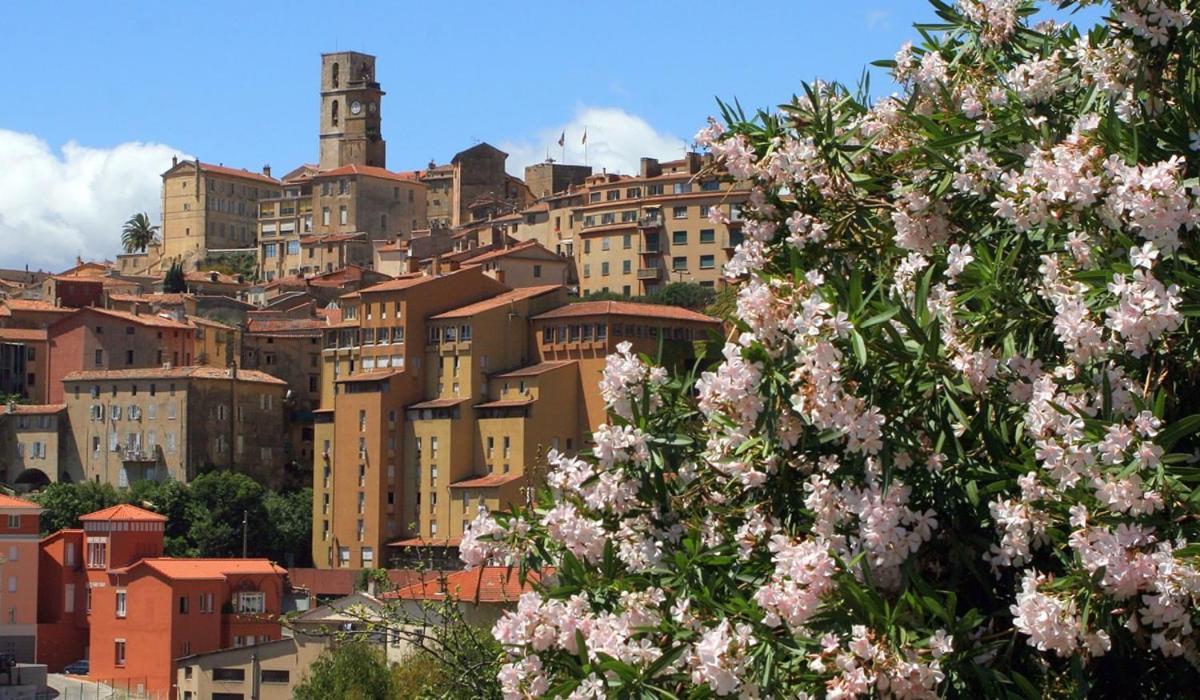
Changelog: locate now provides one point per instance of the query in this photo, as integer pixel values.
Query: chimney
(174, 161)
(267, 170)
(411, 264)
(499, 275)
(436, 268)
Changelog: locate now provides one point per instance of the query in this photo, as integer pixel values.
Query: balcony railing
(649, 273)
(137, 454)
(650, 221)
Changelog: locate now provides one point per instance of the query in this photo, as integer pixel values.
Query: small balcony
(649, 273)
(138, 455)
(650, 221)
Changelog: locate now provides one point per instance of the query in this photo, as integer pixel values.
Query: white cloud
(616, 140)
(56, 205)
(879, 19)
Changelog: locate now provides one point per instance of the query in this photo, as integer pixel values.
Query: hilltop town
(408, 344)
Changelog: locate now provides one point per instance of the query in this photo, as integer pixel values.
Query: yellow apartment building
(441, 392)
(639, 233)
(31, 436)
(172, 423)
(211, 207)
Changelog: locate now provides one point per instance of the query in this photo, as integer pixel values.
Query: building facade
(210, 207)
(19, 533)
(173, 423)
(33, 440)
(107, 594)
(351, 112)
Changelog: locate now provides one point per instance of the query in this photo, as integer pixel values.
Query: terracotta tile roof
(201, 321)
(437, 403)
(34, 305)
(340, 582)
(235, 172)
(392, 246)
(285, 325)
(169, 299)
(525, 247)
(626, 308)
(498, 301)
(35, 409)
(505, 403)
(7, 501)
(196, 569)
(372, 376)
(535, 370)
(422, 542)
(80, 279)
(487, 482)
(370, 171)
(403, 282)
(123, 512)
(245, 375)
(151, 320)
(534, 208)
(22, 334)
(486, 584)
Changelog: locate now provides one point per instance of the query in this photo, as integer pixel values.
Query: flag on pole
(562, 140)
(584, 141)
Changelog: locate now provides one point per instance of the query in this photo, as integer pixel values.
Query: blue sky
(104, 93)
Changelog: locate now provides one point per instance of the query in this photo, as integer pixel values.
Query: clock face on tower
(372, 107)
(355, 107)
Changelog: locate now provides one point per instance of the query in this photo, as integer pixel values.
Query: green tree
(173, 280)
(220, 499)
(62, 503)
(353, 670)
(138, 233)
(174, 500)
(689, 295)
(289, 515)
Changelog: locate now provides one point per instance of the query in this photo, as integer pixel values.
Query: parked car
(77, 668)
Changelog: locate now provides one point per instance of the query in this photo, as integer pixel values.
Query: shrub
(950, 449)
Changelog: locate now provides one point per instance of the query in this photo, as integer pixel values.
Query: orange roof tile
(236, 172)
(422, 542)
(525, 247)
(22, 334)
(486, 584)
(370, 171)
(370, 376)
(193, 569)
(201, 321)
(35, 409)
(437, 403)
(152, 320)
(486, 482)
(498, 301)
(201, 276)
(158, 298)
(292, 325)
(7, 501)
(195, 372)
(627, 308)
(123, 511)
(535, 370)
(34, 305)
(403, 282)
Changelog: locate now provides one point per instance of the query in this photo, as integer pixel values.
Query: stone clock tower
(351, 102)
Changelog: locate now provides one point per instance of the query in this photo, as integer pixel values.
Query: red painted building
(132, 612)
(95, 339)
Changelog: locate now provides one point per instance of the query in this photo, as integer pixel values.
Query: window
(605, 243)
(121, 602)
(679, 212)
(679, 263)
(368, 557)
(537, 270)
(626, 267)
(344, 556)
(206, 602)
(269, 676)
(708, 235)
(679, 238)
(587, 270)
(99, 358)
(707, 262)
(229, 674)
(627, 241)
(604, 269)
(251, 602)
(119, 652)
(342, 215)
(69, 554)
(183, 605)
(681, 188)
(324, 216)
(97, 551)
(69, 598)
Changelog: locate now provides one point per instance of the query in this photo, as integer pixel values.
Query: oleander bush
(951, 449)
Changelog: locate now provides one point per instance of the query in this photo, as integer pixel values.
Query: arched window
(335, 75)
(333, 113)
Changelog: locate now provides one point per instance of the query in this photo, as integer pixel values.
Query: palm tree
(138, 233)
